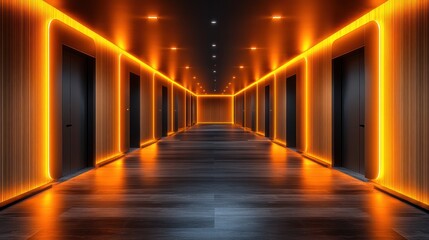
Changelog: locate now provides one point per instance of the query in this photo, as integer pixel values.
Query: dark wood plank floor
(213, 182)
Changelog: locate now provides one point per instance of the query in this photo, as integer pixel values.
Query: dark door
(243, 112)
(253, 112)
(164, 121)
(350, 80)
(134, 110)
(187, 111)
(77, 77)
(176, 113)
(267, 111)
(291, 111)
(194, 110)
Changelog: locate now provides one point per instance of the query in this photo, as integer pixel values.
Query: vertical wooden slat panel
(214, 109)
(25, 95)
(403, 131)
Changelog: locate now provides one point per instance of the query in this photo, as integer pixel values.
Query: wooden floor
(213, 182)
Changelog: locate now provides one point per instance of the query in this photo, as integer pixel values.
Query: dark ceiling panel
(240, 25)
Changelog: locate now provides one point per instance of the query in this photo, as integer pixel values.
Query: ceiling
(240, 25)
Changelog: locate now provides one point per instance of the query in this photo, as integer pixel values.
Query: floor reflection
(213, 182)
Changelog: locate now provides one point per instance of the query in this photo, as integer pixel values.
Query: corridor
(213, 182)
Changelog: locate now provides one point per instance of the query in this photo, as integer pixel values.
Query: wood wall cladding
(23, 125)
(402, 133)
(214, 109)
(405, 104)
(32, 35)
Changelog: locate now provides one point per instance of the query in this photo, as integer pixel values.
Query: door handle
(69, 125)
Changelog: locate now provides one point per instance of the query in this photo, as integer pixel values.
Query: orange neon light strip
(119, 103)
(215, 95)
(47, 101)
(153, 106)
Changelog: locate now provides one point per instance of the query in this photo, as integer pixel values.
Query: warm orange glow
(276, 17)
(257, 107)
(187, 67)
(153, 106)
(172, 108)
(143, 144)
(47, 101)
(119, 104)
(275, 107)
(173, 48)
(215, 123)
(372, 16)
(241, 67)
(152, 18)
(215, 95)
(306, 104)
(253, 48)
(381, 15)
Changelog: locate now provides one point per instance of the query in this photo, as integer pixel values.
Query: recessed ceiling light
(226, 86)
(187, 67)
(276, 17)
(213, 45)
(198, 83)
(214, 80)
(241, 67)
(213, 22)
(229, 83)
(233, 77)
(152, 18)
(173, 48)
(214, 71)
(214, 56)
(194, 77)
(201, 86)
(214, 90)
(253, 48)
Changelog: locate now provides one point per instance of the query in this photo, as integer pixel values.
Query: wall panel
(32, 35)
(399, 103)
(215, 109)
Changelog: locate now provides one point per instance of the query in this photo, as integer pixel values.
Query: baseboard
(107, 161)
(215, 123)
(401, 197)
(24, 196)
(280, 143)
(316, 160)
